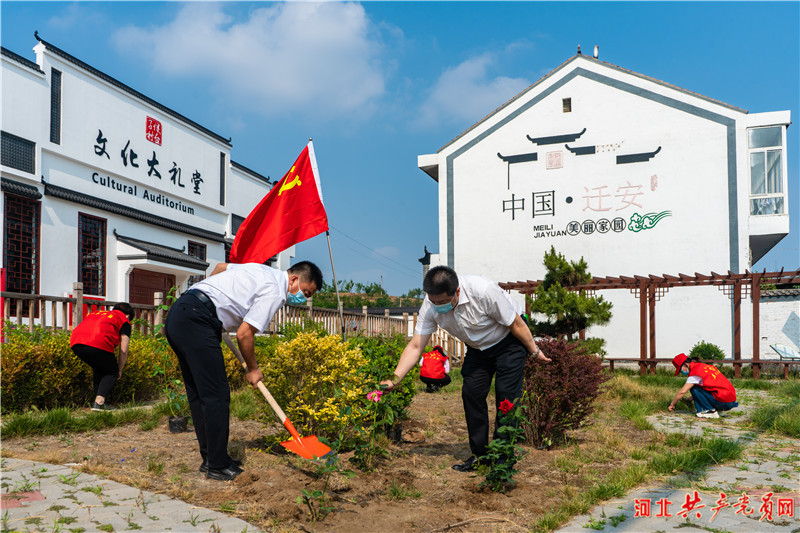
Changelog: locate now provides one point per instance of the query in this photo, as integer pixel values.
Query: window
(198, 250)
(765, 146)
(566, 105)
(55, 106)
(18, 153)
(21, 219)
(236, 221)
(92, 254)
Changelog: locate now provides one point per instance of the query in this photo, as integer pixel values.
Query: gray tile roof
(20, 189)
(163, 254)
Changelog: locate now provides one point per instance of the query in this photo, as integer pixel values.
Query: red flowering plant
(497, 464)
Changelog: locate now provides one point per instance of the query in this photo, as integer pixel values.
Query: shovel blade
(307, 447)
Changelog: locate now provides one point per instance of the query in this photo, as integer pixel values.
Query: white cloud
(466, 93)
(387, 251)
(285, 58)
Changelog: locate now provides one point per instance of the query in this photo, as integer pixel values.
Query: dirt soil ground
(265, 494)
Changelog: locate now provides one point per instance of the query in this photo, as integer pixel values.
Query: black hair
(307, 271)
(126, 308)
(440, 280)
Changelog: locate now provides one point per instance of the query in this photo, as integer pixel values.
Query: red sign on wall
(153, 131)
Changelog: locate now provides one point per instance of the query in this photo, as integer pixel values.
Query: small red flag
(291, 212)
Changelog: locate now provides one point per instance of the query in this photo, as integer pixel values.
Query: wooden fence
(66, 312)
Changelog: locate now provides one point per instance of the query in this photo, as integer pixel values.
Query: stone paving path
(769, 464)
(55, 498)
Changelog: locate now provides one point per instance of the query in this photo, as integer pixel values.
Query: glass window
(21, 244)
(197, 250)
(92, 249)
(763, 137)
(766, 170)
(766, 206)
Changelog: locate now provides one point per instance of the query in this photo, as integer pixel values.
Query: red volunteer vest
(433, 365)
(714, 382)
(99, 330)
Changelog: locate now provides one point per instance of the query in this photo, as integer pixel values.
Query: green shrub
(40, 370)
(594, 345)
(313, 378)
(381, 356)
(706, 350)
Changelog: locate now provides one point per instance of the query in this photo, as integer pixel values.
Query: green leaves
(568, 311)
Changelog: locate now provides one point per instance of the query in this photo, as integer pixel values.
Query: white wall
(704, 227)
(780, 324)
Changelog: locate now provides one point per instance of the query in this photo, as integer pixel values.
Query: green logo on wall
(648, 221)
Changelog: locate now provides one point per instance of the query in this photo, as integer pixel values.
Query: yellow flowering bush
(314, 378)
(40, 370)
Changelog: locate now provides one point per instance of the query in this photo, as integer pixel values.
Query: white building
(106, 186)
(635, 175)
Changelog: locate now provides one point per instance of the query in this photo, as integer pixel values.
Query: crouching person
(711, 391)
(435, 371)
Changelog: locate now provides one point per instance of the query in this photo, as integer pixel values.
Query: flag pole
(336, 286)
(333, 269)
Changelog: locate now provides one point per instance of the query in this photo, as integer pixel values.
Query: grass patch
(636, 411)
(399, 492)
(61, 420)
(784, 419)
(246, 404)
(693, 456)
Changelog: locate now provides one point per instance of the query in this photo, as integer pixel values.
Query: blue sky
(378, 83)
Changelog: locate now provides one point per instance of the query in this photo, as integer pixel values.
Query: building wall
(780, 323)
(103, 124)
(681, 208)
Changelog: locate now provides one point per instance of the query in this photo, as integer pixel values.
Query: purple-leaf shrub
(561, 393)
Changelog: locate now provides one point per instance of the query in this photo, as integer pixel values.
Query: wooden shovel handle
(260, 384)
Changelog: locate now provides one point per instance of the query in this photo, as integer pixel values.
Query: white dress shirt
(248, 292)
(481, 318)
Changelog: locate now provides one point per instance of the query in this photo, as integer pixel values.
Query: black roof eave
(123, 210)
(21, 60)
(20, 189)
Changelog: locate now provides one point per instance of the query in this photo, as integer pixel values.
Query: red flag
(291, 212)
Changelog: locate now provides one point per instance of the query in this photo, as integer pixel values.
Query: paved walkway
(55, 498)
(762, 488)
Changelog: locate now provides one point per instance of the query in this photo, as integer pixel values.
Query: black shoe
(467, 466)
(228, 473)
(429, 388)
(105, 407)
(234, 463)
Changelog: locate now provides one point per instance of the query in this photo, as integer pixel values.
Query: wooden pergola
(652, 287)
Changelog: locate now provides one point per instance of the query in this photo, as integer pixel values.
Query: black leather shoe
(467, 466)
(234, 463)
(228, 473)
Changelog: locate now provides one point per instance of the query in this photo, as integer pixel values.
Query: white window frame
(783, 167)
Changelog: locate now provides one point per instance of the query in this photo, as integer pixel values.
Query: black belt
(204, 299)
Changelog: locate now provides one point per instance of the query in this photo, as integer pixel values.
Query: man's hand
(671, 407)
(387, 385)
(540, 356)
(254, 376)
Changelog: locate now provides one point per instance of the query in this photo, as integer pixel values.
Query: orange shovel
(306, 447)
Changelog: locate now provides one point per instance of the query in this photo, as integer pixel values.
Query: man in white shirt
(236, 297)
(475, 310)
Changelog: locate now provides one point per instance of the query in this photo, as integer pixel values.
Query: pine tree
(567, 311)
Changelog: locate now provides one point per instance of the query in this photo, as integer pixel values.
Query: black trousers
(195, 333)
(104, 367)
(433, 381)
(505, 361)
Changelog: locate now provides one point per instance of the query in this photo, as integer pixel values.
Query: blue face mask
(684, 372)
(444, 308)
(298, 298)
